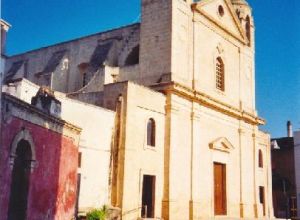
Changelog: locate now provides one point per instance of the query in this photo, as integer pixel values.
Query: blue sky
(38, 23)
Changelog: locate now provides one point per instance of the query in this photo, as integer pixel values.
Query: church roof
(239, 2)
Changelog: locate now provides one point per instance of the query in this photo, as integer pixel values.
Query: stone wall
(136, 158)
(196, 132)
(54, 148)
(95, 142)
(95, 146)
(49, 65)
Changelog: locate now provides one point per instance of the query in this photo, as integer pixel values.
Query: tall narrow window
(151, 132)
(220, 78)
(260, 159)
(84, 79)
(79, 159)
(248, 28)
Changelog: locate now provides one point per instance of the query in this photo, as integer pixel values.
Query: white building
(183, 124)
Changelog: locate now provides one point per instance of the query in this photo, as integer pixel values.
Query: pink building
(38, 160)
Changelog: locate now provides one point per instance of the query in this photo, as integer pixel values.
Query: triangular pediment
(221, 144)
(221, 13)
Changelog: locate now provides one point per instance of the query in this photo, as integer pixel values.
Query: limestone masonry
(165, 111)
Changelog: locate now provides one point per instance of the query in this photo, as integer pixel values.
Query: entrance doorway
(220, 189)
(262, 198)
(148, 196)
(20, 182)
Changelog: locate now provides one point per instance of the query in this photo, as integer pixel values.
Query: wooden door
(220, 189)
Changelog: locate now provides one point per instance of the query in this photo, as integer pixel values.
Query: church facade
(178, 136)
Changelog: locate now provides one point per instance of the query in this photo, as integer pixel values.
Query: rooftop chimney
(289, 129)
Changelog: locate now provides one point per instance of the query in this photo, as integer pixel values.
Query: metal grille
(220, 74)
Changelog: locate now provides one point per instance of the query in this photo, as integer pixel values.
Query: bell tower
(164, 48)
(244, 13)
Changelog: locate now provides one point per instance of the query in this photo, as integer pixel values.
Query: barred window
(220, 78)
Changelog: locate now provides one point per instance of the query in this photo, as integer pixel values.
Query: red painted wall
(53, 182)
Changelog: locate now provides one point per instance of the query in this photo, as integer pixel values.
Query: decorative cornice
(208, 101)
(33, 110)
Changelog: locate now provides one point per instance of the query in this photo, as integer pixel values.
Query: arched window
(151, 132)
(248, 28)
(260, 159)
(20, 181)
(220, 77)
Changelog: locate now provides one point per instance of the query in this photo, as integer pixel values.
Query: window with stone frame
(151, 132)
(260, 159)
(220, 74)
